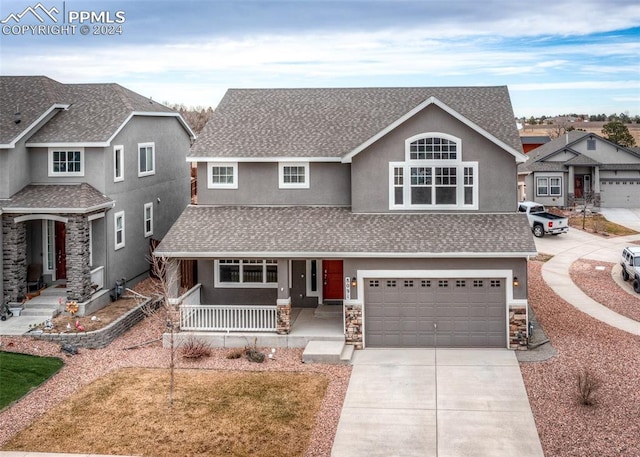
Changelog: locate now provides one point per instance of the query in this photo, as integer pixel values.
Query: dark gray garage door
(402, 312)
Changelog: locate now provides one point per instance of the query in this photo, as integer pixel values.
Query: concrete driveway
(436, 402)
(627, 217)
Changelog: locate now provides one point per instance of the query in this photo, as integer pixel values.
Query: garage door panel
(400, 312)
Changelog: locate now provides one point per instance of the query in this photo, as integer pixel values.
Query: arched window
(433, 175)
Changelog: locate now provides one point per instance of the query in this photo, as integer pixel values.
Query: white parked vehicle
(541, 221)
(631, 266)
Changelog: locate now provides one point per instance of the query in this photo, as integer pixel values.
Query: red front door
(61, 250)
(332, 288)
(578, 186)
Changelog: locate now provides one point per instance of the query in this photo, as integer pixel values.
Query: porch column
(77, 250)
(283, 302)
(571, 191)
(596, 186)
(173, 278)
(14, 259)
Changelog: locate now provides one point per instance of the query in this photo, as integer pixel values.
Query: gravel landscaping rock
(566, 428)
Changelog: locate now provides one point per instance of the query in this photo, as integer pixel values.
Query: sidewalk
(568, 248)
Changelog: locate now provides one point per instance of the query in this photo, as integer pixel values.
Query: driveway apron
(436, 402)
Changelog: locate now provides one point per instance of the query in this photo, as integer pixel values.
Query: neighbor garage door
(619, 193)
(467, 312)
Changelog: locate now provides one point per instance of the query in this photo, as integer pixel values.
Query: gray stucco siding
(258, 184)
(168, 190)
(94, 164)
(14, 169)
(497, 172)
(557, 200)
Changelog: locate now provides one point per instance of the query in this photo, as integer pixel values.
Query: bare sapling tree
(165, 309)
(588, 198)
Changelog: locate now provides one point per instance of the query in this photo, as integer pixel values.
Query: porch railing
(243, 318)
(97, 278)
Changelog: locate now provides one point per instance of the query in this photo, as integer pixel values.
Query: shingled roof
(332, 122)
(89, 113)
(56, 198)
(211, 231)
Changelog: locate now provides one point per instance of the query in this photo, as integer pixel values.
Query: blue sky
(556, 57)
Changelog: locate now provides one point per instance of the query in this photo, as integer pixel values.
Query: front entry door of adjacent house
(332, 288)
(578, 186)
(61, 250)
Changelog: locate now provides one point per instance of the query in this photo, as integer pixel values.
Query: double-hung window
(294, 175)
(433, 175)
(118, 219)
(66, 162)
(148, 219)
(146, 159)
(222, 175)
(549, 186)
(246, 272)
(118, 164)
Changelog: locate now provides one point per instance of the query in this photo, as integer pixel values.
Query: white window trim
(456, 163)
(152, 145)
(538, 193)
(144, 219)
(116, 216)
(211, 185)
(243, 285)
(559, 186)
(406, 189)
(284, 185)
(53, 174)
(118, 153)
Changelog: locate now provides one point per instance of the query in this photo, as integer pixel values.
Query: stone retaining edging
(101, 338)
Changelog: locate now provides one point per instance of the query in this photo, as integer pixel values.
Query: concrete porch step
(54, 290)
(45, 313)
(334, 352)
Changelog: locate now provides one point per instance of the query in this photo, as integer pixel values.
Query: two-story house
(398, 203)
(89, 174)
(580, 167)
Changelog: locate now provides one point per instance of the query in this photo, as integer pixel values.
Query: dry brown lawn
(215, 413)
(597, 223)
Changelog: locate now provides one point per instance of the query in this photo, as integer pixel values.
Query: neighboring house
(581, 165)
(89, 174)
(397, 203)
(529, 143)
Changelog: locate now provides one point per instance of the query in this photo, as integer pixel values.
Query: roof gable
(520, 157)
(255, 124)
(92, 113)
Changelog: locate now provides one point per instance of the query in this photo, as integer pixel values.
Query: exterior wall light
(516, 283)
(354, 283)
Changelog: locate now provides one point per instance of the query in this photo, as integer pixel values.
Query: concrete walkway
(575, 245)
(436, 402)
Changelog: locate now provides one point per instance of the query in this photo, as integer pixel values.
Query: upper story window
(146, 159)
(118, 168)
(222, 175)
(66, 162)
(118, 222)
(433, 175)
(293, 175)
(148, 219)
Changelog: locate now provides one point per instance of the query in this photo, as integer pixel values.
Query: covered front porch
(54, 235)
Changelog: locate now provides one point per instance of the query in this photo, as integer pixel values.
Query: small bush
(195, 349)
(236, 353)
(588, 383)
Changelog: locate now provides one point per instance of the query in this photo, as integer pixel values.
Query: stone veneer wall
(101, 338)
(78, 271)
(353, 324)
(14, 258)
(518, 327)
(283, 326)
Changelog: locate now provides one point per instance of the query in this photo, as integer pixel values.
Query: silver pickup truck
(541, 221)
(631, 266)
